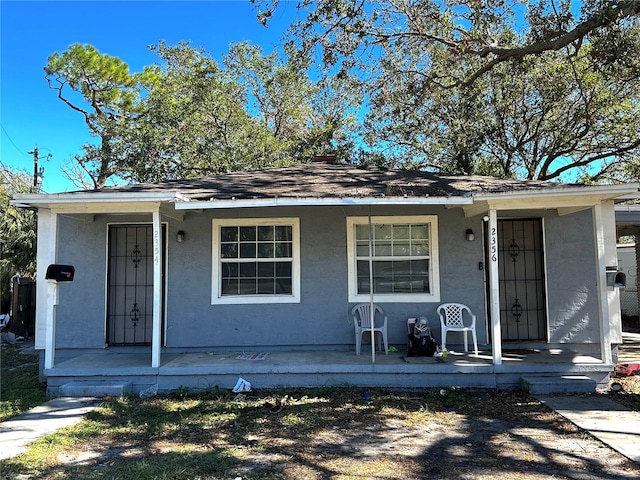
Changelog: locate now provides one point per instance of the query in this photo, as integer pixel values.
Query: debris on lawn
(149, 392)
(626, 369)
(239, 398)
(242, 385)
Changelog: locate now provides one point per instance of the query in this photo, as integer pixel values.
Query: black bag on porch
(421, 341)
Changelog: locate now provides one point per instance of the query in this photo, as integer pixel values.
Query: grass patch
(337, 433)
(20, 389)
(214, 436)
(333, 433)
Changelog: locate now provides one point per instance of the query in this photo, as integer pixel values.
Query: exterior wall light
(180, 236)
(470, 235)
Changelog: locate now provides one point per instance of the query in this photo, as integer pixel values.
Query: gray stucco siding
(461, 279)
(321, 319)
(571, 278)
(80, 312)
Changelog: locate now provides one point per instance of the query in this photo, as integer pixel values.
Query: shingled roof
(323, 180)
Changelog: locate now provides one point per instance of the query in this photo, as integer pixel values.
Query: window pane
(229, 234)
(266, 269)
(283, 250)
(382, 249)
(247, 269)
(229, 250)
(229, 270)
(247, 250)
(401, 232)
(230, 286)
(283, 269)
(247, 286)
(266, 286)
(420, 249)
(284, 286)
(247, 234)
(401, 249)
(362, 249)
(382, 232)
(420, 232)
(362, 232)
(420, 268)
(265, 250)
(284, 233)
(265, 233)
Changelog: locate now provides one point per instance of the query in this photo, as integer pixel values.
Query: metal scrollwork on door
(514, 250)
(136, 256)
(516, 310)
(135, 315)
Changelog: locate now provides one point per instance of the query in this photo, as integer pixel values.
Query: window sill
(396, 298)
(254, 299)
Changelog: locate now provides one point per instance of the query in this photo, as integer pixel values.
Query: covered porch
(194, 330)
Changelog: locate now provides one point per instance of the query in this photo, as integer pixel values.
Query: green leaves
(190, 116)
(18, 234)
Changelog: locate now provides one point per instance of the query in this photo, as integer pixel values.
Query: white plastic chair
(362, 323)
(452, 317)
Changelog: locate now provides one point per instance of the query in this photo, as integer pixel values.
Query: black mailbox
(60, 273)
(616, 278)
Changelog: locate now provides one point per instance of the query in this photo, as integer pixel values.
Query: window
(404, 258)
(256, 260)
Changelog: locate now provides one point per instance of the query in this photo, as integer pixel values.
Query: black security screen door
(521, 275)
(130, 284)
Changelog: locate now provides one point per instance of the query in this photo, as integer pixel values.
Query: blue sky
(30, 31)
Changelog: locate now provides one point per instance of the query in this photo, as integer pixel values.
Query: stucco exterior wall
(321, 319)
(571, 278)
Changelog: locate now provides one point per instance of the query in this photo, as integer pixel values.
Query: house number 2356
(494, 245)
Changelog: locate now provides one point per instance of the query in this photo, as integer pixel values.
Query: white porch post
(372, 312)
(157, 291)
(46, 292)
(494, 286)
(603, 302)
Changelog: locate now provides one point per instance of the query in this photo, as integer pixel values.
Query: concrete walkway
(18, 432)
(607, 420)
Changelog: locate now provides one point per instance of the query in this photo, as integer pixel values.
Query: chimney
(325, 158)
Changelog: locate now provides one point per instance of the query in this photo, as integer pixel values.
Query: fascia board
(330, 201)
(588, 193)
(105, 208)
(51, 200)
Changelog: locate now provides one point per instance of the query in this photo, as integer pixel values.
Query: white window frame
(218, 299)
(434, 269)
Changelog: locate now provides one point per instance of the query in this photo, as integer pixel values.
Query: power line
(11, 140)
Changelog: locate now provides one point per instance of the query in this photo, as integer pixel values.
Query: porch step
(95, 389)
(545, 385)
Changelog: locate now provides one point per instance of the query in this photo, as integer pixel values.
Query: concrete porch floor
(206, 370)
(304, 368)
(304, 359)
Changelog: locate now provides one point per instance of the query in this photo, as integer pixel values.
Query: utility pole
(37, 174)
